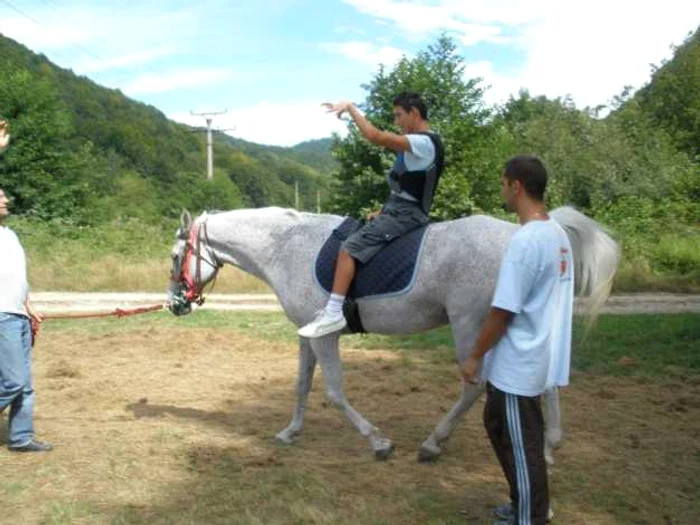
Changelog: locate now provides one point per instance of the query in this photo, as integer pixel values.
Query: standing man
(526, 339)
(412, 181)
(16, 312)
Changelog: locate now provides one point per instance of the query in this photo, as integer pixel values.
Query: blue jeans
(16, 377)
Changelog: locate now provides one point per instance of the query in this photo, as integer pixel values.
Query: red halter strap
(193, 250)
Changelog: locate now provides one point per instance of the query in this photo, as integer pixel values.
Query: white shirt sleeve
(515, 277)
(422, 152)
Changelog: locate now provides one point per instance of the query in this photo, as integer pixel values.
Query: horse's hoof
(549, 459)
(283, 438)
(428, 454)
(384, 453)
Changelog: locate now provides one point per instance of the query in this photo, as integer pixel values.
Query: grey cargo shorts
(398, 217)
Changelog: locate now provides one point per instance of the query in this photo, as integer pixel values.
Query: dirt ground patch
(175, 425)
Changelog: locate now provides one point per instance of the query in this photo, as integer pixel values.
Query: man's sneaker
(324, 324)
(33, 446)
(505, 514)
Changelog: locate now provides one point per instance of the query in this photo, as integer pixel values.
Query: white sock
(334, 306)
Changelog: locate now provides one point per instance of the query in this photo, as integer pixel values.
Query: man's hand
(338, 108)
(4, 134)
(34, 315)
(470, 370)
(371, 215)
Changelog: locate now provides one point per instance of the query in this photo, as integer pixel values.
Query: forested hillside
(88, 153)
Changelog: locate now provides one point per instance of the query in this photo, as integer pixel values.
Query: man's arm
(495, 325)
(386, 139)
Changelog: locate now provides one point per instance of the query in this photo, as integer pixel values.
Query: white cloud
(366, 52)
(283, 124)
(594, 52)
(427, 17)
(497, 87)
(92, 65)
(48, 35)
(176, 79)
(587, 50)
(92, 39)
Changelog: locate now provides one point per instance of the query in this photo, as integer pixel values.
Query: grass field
(160, 420)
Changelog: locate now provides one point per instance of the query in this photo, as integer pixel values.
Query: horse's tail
(596, 257)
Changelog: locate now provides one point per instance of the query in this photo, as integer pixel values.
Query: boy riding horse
(412, 180)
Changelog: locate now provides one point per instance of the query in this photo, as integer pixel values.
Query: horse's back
(469, 242)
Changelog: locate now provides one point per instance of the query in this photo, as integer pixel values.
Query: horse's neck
(257, 240)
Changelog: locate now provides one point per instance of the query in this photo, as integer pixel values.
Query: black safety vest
(420, 184)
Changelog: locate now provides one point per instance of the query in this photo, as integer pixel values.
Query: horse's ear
(185, 221)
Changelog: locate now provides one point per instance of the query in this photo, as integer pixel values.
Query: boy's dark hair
(530, 172)
(410, 99)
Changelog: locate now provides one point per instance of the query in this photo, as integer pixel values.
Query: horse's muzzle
(179, 305)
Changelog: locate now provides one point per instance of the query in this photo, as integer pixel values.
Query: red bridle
(193, 249)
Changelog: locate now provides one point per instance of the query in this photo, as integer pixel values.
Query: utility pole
(318, 200)
(210, 140)
(296, 194)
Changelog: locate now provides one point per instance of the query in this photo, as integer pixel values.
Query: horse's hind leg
(464, 332)
(305, 376)
(552, 420)
(326, 351)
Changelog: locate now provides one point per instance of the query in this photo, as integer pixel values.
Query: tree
(456, 111)
(594, 162)
(672, 97)
(47, 171)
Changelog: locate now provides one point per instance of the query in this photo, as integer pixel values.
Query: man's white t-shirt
(13, 273)
(536, 283)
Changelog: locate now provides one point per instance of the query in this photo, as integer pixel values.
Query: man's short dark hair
(530, 172)
(411, 99)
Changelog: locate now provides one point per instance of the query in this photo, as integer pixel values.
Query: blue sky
(270, 63)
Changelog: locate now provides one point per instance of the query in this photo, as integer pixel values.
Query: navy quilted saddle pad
(392, 271)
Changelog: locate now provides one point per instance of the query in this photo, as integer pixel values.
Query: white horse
(454, 282)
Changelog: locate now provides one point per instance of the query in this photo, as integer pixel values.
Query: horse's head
(194, 264)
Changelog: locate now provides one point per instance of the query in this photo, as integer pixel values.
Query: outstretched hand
(4, 134)
(338, 108)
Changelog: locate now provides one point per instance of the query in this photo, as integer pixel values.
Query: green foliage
(456, 112)
(672, 98)
(48, 173)
(130, 238)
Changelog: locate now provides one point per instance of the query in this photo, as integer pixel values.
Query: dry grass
(155, 423)
(109, 273)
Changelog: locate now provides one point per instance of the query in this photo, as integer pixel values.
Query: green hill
(83, 151)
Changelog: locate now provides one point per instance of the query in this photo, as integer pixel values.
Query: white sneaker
(324, 324)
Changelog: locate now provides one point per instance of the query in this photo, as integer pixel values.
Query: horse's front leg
(305, 376)
(327, 353)
(464, 331)
(430, 448)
